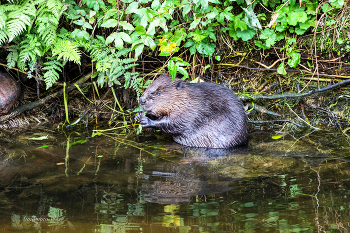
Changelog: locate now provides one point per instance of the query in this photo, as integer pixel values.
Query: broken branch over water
(293, 95)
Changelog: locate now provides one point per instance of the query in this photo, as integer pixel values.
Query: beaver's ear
(179, 85)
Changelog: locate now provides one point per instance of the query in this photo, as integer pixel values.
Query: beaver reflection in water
(196, 114)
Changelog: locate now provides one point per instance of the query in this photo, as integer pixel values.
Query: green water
(72, 182)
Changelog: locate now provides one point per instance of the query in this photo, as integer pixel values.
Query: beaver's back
(216, 117)
(198, 115)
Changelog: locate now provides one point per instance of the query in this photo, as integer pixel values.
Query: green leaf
(155, 5)
(42, 146)
(80, 35)
(189, 43)
(186, 8)
(270, 37)
(221, 18)
(299, 31)
(206, 49)
(140, 29)
(151, 29)
(337, 3)
(150, 42)
(238, 23)
(294, 59)
(193, 49)
(228, 15)
(194, 23)
(212, 14)
(251, 18)
(295, 17)
(279, 36)
(79, 22)
(183, 71)
(199, 35)
(132, 8)
(276, 137)
(126, 26)
(138, 50)
(172, 68)
(179, 36)
(111, 38)
(164, 54)
(125, 37)
(118, 39)
(111, 23)
(281, 69)
(260, 44)
(246, 34)
(325, 7)
(232, 32)
(305, 25)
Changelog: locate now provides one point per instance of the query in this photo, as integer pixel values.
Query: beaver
(9, 92)
(196, 114)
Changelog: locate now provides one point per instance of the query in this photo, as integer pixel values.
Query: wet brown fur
(197, 115)
(9, 92)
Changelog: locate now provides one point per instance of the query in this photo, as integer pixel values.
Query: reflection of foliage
(171, 219)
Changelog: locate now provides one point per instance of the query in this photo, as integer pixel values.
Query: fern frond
(66, 50)
(130, 66)
(20, 19)
(99, 55)
(47, 26)
(132, 81)
(85, 44)
(55, 7)
(3, 37)
(12, 57)
(51, 75)
(47, 21)
(115, 70)
(30, 49)
(123, 52)
(103, 66)
(3, 18)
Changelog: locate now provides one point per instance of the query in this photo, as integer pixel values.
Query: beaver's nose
(142, 100)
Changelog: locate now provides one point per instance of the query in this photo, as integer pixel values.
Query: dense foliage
(41, 35)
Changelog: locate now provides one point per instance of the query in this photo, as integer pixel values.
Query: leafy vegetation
(43, 35)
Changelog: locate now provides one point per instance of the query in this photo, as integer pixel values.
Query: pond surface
(71, 182)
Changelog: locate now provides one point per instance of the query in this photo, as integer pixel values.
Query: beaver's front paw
(138, 116)
(146, 122)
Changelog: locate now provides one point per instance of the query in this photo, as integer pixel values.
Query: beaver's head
(163, 96)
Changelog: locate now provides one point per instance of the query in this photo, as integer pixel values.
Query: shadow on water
(72, 182)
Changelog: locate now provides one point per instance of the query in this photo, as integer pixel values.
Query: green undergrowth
(41, 36)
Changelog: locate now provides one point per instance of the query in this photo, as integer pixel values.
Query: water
(72, 182)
